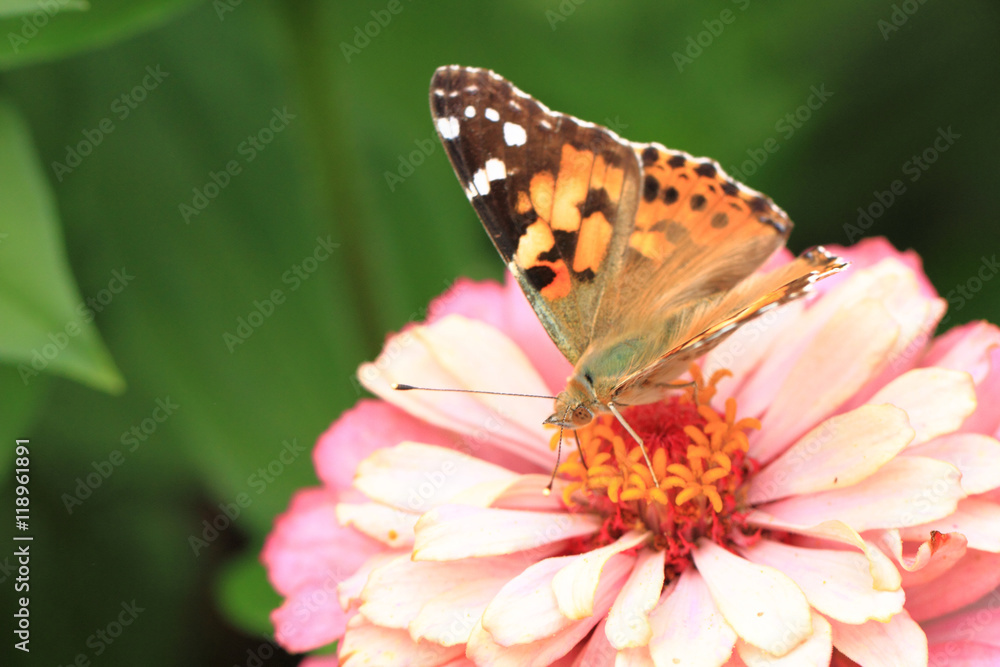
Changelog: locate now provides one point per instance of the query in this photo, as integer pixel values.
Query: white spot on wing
(448, 127)
(481, 183)
(492, 115)
(514, 134)
(496, 170)
(470, 111)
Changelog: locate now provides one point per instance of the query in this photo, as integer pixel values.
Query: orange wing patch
(690, 201)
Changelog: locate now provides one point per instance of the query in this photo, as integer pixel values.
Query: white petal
(898, 643)
(838, 453)
(846, 353)
(907, 491)
(453, 532)
(836, 583)
(628, 621)
(815, 650)
(365, 644)
(460, 353)
(416, 477)
(576, 584)
(936, 400)
(977, 456)
(884, 574)
(933, 557)
(688, 628)
(762, 605)
(387, 525)
(978, 520)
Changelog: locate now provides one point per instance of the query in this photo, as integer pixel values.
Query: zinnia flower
(831, 485)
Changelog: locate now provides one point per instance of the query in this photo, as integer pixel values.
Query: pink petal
(935, 555)
(367, 426)
(815, 650)
(575, 586)
(838, 453)
(896, 495)
(870, 251)
(634, 657)
(964, 654)
(978, 520)
(308, 545)
(385, 524)
(898, 643)
(974, 576)
(506, 308)
(979, 623)
(936, 400)
(453, 532)
(845, 354)
(836, 583)
(628, 621)
(597, 652)
(527, 492)
(688, 628)
(762, 605)
(458, 353)
(531, 595)
(884, 573)
(368, 644)
(320, 661)
(309, 618)
(415, 477)
(975, 349)
(976, 456)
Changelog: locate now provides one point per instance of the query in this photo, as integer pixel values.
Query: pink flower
(829, 491)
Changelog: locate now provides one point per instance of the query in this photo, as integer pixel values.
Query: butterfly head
(576, 405)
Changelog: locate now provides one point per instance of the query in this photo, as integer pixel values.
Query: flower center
(699, 456)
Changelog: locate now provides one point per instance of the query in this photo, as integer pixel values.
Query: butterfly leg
(579, 448)
(684, 385)
(642, 445)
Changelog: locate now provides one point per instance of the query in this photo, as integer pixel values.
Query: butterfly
(636, 258)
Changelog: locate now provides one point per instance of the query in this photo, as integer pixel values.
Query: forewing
(557, 195)
(697, 233)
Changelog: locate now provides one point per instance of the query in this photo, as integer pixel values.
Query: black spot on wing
(540, 277)
(706, 169)
(697, 202)
(650, 155)
(597, 200)
(670, 195)
(650, 188)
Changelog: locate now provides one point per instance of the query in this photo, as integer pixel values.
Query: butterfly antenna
(548, 487)
(409, 387)
(642, 445)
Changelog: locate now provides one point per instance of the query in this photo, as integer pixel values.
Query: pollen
(699, 455)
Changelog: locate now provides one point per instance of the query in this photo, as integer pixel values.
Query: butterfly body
(636, 258)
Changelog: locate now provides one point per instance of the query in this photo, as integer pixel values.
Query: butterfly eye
(582, 416)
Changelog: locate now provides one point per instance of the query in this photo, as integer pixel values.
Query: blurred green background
(165, 166)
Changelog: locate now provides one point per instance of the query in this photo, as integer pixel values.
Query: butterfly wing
(556, 194)
(708, 322)
(697, 233)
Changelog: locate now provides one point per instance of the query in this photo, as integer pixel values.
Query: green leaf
(45, 30)
(17, 7)
(47, 327)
